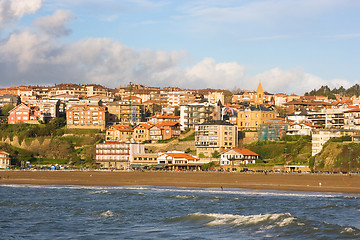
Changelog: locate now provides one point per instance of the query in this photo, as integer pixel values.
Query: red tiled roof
(123, 128)
(163, 124)
(242, 151)
(145, 125)
(181, 155)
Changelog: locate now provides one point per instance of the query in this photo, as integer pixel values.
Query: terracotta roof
(145, 125)
(3, 152)
(163, 124)
(353, 110)
(242, 151)
(123, 128)
(181, 155)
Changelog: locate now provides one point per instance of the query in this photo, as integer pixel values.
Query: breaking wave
(216, 219)
(108, 213)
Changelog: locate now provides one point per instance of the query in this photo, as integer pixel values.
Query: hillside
(335, 157)
(298, 150)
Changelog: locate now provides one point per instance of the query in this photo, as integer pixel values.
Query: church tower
(259, 95)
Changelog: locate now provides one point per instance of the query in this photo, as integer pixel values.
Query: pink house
(24, 114)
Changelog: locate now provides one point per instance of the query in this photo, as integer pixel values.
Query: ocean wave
(108, 213)
(100, 192)
(229, 191)
(183, 197)
(216, 219)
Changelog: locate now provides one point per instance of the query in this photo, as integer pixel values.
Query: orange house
(24, 114)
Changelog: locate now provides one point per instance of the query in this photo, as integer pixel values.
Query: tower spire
(260, 94)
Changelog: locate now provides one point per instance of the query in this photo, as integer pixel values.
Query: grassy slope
(335, 157)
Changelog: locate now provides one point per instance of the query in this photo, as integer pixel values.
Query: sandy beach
(290, 182)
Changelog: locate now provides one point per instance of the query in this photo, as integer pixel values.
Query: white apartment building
(196, 113)
(352, 119)
(117, 154)
(321, 136)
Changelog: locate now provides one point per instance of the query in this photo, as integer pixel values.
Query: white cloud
(29, 58)
(207, 73)
(293, 81)
(11, 10)
(56, 24)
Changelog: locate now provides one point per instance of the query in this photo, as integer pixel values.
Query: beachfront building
(145, 160)
(321, 136)
(86, 116)
(117, 154)
(179, 160)
(5, 161)
(214, 136)
(236, 157)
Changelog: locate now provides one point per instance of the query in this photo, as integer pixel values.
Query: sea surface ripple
(147, 212)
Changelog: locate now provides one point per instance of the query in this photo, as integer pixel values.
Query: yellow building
(250, 118)
(119, 133)
(142, 132)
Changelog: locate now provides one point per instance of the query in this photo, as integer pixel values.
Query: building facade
(198, 113)
(86, 116)
(252, 117)
(117, 154)
(215, 136)
(5, 161)
(236, 157)
(24, 114)
(321, 136)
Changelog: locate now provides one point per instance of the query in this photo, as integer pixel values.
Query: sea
(148, 212)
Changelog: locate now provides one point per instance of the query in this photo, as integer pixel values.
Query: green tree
(215, 154)
(207, 166)
(6, 109)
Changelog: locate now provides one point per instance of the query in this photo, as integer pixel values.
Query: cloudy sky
(290, 46)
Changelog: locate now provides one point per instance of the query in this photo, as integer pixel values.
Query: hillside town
(221, 122)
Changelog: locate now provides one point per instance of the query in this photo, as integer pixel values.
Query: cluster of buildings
(222, 121)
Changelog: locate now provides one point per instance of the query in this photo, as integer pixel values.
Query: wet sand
(289, 182)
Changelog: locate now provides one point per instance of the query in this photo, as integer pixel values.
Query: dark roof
(259, 108)
(216, 122)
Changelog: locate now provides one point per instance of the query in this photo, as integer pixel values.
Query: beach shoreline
(336, 183)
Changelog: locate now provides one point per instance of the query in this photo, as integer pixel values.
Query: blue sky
(290, 46)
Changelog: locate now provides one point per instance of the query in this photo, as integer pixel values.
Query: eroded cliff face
(335, 157)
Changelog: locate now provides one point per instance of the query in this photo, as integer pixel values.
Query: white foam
(108, 213)
(281, 219)
(100, 192)
(193, 190)
(348, 230)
